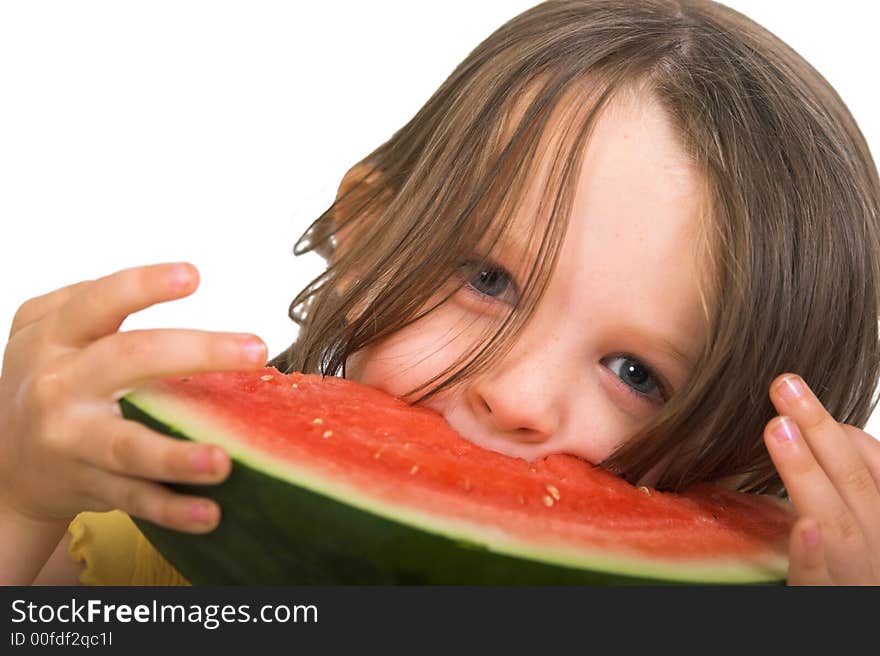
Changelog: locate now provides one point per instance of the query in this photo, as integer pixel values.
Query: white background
(215, 132)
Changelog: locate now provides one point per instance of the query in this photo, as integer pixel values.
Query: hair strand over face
(790, 232)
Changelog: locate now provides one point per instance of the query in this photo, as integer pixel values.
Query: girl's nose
(516, 401)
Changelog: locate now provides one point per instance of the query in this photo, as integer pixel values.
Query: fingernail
(811, 536)
(784, 430)
(218, 459)
(201, 512)
(254, 350)
(791, 388)
(181, 275)
(202, 460)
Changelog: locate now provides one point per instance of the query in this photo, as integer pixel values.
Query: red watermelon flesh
(360, 445)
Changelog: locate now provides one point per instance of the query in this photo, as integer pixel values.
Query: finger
(38, 307)
(806, 556)
(100, 309)
(156, 503)
(118, 363)
(869, 447)
(811, 491)
(833, 450)
(126, 447)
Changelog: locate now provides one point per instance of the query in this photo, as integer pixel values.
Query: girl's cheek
(387, 367)
(353, 369)
(362, 368)
(418, 353)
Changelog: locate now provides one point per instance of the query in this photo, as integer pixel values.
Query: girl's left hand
(832, 474)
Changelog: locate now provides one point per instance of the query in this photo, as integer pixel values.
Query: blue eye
(637, 378)
(488, 280)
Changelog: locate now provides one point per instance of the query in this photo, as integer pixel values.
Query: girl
(647, 234)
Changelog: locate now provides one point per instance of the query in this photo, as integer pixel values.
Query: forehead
(638, 217)
(635, 171)
(632, 148)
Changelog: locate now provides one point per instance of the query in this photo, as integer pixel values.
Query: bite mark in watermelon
(335, 482)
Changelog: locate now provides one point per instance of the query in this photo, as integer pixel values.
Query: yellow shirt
(115, 552)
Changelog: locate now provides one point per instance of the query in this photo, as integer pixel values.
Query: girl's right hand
(64, 445)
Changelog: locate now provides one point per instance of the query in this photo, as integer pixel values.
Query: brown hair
(791, 234)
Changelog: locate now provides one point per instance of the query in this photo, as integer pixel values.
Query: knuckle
(218, 349)
(82, 480)
(46, 388)
(119, 450)
(132, 346)
(142, 281)
(40, 338)
(206, 350)
(40, 307)
(99, 300)
(858, 480)
(23, 314)
(164, 513)
(814, 417)
(803, 569)
(172, 463)
(54, 441)
(846, 528)
(103, 299)
(132, 500)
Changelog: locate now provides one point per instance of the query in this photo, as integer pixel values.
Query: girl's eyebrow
(660, 344)
(517, 241)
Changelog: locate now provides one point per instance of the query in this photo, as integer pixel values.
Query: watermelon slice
(335, 482)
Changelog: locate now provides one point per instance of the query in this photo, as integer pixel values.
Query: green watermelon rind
(352, 538)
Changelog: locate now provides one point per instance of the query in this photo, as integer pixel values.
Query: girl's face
(617, 329)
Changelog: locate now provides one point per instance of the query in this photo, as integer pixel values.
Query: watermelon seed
(378, 454)
(519, 498)
(554, 491)
(548, 500)
(327, 433)
(317, 420)
(414, 469)
(266, 377)
(467, 484)
(184, 380)
(644, 490)
(295, 386)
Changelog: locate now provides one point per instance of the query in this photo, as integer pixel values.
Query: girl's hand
(832, 474)
(64, 446)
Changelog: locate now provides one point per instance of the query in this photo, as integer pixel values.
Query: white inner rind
(200, 428)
